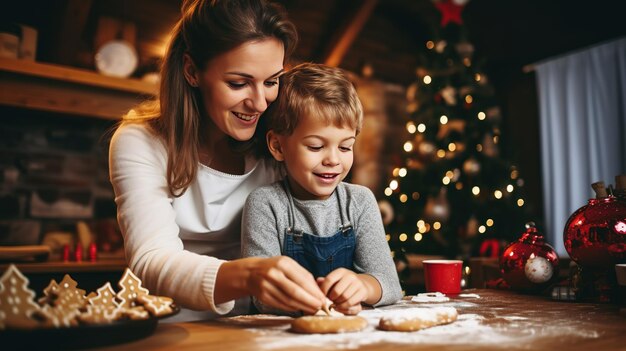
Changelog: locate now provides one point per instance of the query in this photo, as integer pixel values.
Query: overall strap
(345, 225)
(292, 214)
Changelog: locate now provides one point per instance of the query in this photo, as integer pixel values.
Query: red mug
(443, 276)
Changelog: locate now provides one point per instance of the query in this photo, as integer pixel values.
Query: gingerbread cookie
(105, 297)
(17, 305)
(131, 289)
(325, 324)
(50, 293)
(418, 318)
(99, 314)
(65, 305)
(136, 313)
(156, 305)
(69, 297)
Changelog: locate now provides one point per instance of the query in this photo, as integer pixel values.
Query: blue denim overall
(320, 255)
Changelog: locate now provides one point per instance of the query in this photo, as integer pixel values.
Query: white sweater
(176, 245)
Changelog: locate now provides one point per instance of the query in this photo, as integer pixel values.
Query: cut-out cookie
(131, 289)
(412, 319)
(156, 305)
(17, 304)
(324, 324)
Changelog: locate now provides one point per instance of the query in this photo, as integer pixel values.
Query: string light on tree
(450, 188)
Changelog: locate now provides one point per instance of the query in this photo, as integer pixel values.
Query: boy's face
(317, 157)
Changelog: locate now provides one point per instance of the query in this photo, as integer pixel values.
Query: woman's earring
(193, 83)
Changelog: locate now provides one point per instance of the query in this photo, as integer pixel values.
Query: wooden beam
(348, 33)
(71, 27)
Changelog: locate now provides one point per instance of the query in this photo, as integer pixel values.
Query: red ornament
(93, 252)
(450, 12)
(595, 234)
(66, 253)
(529, 264)
(78, 253)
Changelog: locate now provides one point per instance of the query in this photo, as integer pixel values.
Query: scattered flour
(470, 295)
(430, 297)
(468, 329)
(430, 314)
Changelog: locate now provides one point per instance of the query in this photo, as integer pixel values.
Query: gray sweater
(266, 216)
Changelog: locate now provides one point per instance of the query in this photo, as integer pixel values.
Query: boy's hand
(345, 289)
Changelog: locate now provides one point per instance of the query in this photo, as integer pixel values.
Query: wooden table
(496, 320)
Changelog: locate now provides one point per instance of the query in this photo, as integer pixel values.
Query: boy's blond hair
(318, 91)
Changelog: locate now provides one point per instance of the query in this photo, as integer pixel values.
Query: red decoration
(66, 253)
(490, 247)
(595, 234)
(93, 252)
(529, 264)
(78, 253)
(450, 12)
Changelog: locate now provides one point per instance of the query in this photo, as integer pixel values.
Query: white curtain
(582, 107)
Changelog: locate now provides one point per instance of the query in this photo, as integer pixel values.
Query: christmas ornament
(465, 49)
(426, 148)
(471, 167)
(472, 227)
(493, 113)
(440, 46)
(437, 208)
(421, 72)
(450, 12)
(449, 95)
(529, 264)
(595, 234)
(489, 145)
(455, 125)
(465, 90)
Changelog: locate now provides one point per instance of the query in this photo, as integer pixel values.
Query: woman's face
(238, 86)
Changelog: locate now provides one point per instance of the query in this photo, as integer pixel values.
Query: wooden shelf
(104, 265)
(73, 91)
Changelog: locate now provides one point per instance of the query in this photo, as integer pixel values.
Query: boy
(333, 229)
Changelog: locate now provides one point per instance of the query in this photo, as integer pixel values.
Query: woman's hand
(282, 283)
(345, 289)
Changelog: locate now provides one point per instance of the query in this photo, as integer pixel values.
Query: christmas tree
(452, 193)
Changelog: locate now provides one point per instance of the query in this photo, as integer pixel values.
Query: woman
(182, 167)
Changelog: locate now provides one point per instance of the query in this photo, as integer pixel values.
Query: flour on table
(468, 329)
(470, 295)
(430, 297)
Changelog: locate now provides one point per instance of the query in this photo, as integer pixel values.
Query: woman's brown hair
(206, 29)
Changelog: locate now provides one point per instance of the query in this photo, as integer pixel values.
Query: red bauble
(595, 235)
(529, 264)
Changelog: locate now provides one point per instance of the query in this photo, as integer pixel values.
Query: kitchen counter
(488, 320)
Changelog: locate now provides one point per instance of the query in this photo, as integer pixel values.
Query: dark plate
(82, 336)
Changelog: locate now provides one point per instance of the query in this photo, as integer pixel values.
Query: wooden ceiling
(387, 34)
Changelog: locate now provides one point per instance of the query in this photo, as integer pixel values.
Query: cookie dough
(418, 318)
(324, 324)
